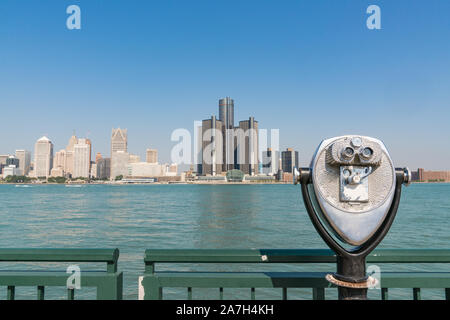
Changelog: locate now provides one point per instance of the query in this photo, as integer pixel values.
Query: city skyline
(153, 71)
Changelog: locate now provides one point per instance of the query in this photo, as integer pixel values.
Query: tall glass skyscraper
(226, 116)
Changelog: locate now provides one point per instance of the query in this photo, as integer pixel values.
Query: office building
(24, 157)
(270, 161)
(12, 161)
(69, 156)
(3, 158)
(43, 157)
(212, 146)
(145, 170)
(94, 170)
(57, 172)
(104, 168)
(247, 146)
(82, 159)
(151, 156)
(98, 156)
(119, 164)
(289, 160)
(10, 170)
(134, 158)
(119, 155)
(226, 116)
(119, 140)
(60, 159)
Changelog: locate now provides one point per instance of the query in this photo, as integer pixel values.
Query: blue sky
(310, 68)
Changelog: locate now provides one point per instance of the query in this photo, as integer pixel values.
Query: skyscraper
(104, 168)
(212, 146)
(247, 146)
(24, 157)
(289, 160)
(151, 156)
(68, 163)
(226, 116)
(119, 140)
(270, 160)
(43, 157)
(82, 158)
(119, 154)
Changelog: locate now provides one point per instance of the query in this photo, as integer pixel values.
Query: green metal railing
(108, 282)
(153, 282)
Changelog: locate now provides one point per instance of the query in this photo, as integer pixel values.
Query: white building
(10, 171)
(24, 157)
(94, 170)
(82, 159)
(43, 157)
(145, 169)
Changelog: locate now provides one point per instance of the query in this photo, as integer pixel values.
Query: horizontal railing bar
(290, 256)
(59, 255)
(292, 279)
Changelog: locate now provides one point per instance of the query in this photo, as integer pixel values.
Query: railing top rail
(290, 256)
(59, 255)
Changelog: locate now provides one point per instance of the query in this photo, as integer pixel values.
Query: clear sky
(309, 68)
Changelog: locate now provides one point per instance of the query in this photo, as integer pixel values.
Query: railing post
(70, 294)
(40, 292)
(384, 294)
(111, 288)
(11, 292)
(416, 293)
(318, 294)
(149, 267)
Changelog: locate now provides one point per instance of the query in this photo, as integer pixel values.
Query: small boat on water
(73, 185)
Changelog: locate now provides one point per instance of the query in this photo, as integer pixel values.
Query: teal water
(135, 217)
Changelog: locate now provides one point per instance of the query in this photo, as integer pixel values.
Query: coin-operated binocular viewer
(351, 192)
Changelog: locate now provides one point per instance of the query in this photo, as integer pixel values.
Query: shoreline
(175, 183)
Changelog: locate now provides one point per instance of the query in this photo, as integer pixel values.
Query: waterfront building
(24, 157)
(104, 168)
(57, 171)
(212, 146)
(119, 155)
(3, 158)
(82, 158)
(93, 172)
(119, 140)
(10, 170)
(145, 170)
(270, 160)
(98, 156)
(171, 170)
(226, 116)
(119, 164)
(198, 150)
(69, 156)
(151, 156)
(60, 159)
(247, 146)
(43, 157)
(423, 175)
(289, 160)
(12, 161)
(134, 158)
